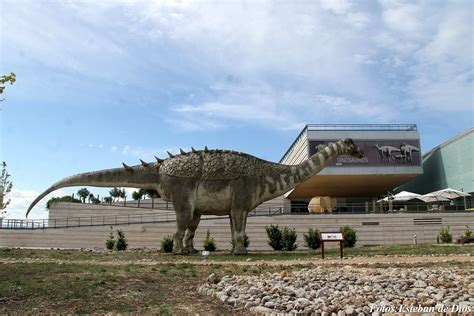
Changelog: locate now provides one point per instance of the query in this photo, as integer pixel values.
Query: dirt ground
(315, 262)
(157, 286)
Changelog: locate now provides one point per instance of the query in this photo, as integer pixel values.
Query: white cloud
(336, 6)
(21, 200)
(343, 108)
(125, 150)
(434, 45)
(279, 56)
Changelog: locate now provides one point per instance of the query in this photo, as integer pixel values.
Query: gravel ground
(348, 291)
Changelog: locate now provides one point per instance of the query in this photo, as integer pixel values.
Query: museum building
(392, 157)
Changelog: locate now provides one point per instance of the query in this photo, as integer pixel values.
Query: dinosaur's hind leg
(238, 221)
(190, 231)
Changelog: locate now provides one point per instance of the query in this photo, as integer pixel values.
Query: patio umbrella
(402, 196)
(447, 194)
(428, 198)
(406, 196)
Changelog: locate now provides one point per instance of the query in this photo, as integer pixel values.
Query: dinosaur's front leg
(238, 223)
(190, 231)
(183, 216)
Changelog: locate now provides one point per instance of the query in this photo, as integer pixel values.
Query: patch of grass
(166, 310)
(77, 255)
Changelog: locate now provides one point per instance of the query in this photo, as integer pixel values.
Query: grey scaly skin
(211, 182)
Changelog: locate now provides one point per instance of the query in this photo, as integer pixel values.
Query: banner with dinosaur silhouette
(377, 153)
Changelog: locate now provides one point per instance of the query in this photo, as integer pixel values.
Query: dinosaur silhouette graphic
(387, 152)
(407, 150)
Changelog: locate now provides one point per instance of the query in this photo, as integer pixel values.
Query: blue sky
(105, 82)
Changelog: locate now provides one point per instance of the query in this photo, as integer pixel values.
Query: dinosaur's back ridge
(214, 165)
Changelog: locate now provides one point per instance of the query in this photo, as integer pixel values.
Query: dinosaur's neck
(291, 176)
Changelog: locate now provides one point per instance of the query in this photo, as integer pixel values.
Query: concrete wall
(373, 229)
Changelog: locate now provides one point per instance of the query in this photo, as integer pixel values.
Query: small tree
(123, 194)
(209, 244)
(274, 237)
(83, 194)
(445, 235)
(121, 243)
(167, 244)
(5, 187)
(312, 238)
(11, 78)
(115, 193)
(350, 236)
(288, 237)
(137, 195)
(110, 242)
(467, 232)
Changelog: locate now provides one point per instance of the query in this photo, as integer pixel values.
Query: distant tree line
(115, 194)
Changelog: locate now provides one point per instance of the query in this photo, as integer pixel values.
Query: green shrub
(274, 237)
(246, 241)
(350, 236)
(167, 244)
(467, 232)
(65, 198)
(288, 236)
(312, 238)
(209, 244)
(445, 235)
(110, 242)
(121, 243)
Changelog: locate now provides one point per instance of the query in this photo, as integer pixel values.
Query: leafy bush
(350, 236)
(108, 199)
(167, 244)
(288, 236)
(445, 235)
(246, 241)
(467, 232)
(121, 243)
(274, 237)
(209, 244)
(312, 238)
(110, 242)
(66, 198)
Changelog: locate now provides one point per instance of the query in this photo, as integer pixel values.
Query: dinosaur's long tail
(126, 177)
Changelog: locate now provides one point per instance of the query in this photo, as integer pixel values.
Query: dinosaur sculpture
(217, 182)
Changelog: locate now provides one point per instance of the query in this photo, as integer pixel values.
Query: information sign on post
(331, 237)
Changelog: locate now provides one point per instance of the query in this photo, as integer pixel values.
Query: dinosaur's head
(352, 149)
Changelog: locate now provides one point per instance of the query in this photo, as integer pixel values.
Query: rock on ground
(346, 291)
